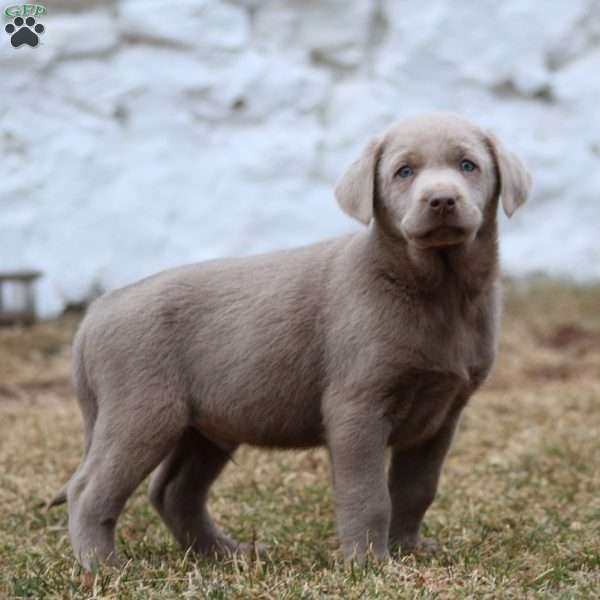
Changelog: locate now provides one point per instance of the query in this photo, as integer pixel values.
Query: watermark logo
(25, 29)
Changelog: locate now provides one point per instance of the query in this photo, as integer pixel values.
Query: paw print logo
(24, 32)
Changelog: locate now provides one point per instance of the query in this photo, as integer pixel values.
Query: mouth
(444, 235)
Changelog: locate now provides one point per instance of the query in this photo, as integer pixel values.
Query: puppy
(370, 340)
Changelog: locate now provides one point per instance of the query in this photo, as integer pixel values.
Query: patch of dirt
(547, 372)
(572, 337)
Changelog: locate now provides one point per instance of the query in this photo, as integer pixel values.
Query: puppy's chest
(420, 401)
(443, 372)
(455, 343)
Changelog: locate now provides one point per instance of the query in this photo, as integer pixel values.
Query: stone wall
(142, 134)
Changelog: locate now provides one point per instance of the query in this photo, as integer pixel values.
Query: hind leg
(126, 447)
(179, 491)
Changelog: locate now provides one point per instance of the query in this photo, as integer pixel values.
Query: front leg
(413, 480)
(362, 501)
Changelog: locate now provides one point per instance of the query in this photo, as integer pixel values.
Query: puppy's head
(434, 180)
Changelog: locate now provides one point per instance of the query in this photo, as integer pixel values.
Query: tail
(89, 411)
(59, 498)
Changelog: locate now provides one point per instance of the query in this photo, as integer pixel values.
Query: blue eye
(404, 172)
(468, 166)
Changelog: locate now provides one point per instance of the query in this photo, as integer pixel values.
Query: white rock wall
(143, 134)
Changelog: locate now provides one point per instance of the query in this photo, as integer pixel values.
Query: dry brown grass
(518, 514)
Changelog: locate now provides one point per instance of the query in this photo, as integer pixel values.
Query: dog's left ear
(355, 191)
(515, 180)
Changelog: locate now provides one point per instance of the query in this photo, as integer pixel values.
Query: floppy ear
(355, 190)
(515, 180)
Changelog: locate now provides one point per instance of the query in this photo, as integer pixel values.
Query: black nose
(442, 204)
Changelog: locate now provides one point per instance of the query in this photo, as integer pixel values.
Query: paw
(252, 550)
(420, 547)
(24, 31)
(426, 546)
(91, 562)
(225, 547)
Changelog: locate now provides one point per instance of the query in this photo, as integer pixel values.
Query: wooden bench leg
(29, 308)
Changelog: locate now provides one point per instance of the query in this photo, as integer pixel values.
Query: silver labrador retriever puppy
(370, 340)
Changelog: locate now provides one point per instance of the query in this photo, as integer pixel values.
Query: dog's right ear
(355, 190)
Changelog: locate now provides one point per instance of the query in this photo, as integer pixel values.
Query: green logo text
(25, 10)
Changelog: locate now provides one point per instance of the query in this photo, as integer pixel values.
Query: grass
(517, 516)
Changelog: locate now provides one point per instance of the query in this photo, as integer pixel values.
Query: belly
(291, 420)
(420, 404)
